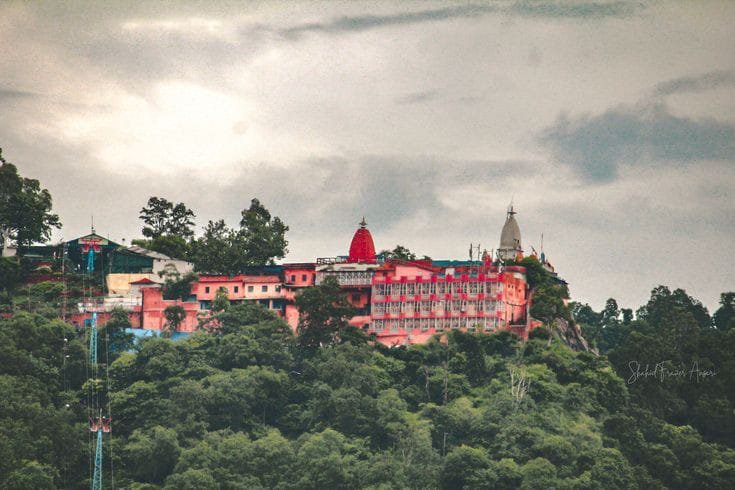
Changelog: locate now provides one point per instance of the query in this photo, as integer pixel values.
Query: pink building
(411, 301)
(152, 311)
(296, 277)
(400, 302)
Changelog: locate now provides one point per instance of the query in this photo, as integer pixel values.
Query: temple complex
(400, 302)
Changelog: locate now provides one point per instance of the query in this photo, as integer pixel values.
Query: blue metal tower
(93, 339)
(97, 478)
(98, 425)
(90, 260)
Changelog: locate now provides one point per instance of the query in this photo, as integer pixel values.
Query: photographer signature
(663, 370)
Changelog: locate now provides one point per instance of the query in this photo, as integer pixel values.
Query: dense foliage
(259, 240)
(162, 217)
(25, 208)
(401, 253)
(687, 354)
(249, 406)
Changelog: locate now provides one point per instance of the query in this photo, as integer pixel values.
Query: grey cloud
(174, 55)
(707, 81)
(575, 9)
(417, 97)
(596, 146)
(549, 9)
(8, 93)
(364, 22)
(385, 189)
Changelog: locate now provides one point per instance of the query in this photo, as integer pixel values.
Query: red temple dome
(362, 248)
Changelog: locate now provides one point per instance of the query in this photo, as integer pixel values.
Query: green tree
(150, 455)
(627, 315)
(324, 313)
(176, 286)
(32, 475)
(260, 239)
(462, 465)
(192, 479)
(171, 245)
(221, 301)
(611, 313)
(114, 334)
(9, 274)
(175, 315)
(399, 252)
(536, 275)
(25, 208)
(327, 460)
(162, 217)
(538, 473)
(263, 237)
(611, 470)
(724, 317)
(220, 250)
(547, 303)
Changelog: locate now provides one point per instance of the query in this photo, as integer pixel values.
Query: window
(237, 289)
(206, 290)
(264, 289)
(293, 277)
(251, 289)
(278, 288)
(303, 277)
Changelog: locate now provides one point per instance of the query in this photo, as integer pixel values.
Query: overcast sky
(611, 126)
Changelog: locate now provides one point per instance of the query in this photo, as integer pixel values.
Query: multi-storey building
(411, 301)
(397, 301)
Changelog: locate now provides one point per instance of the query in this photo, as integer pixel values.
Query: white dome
(510, 237)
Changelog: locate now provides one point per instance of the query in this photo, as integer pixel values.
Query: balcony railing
(347, 278)
(106, 306)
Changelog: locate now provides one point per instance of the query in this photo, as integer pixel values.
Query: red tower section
(362, 249)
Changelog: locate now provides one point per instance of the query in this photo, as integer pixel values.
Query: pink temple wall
(151, 314)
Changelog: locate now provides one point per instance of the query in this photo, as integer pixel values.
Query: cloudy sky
(611, 125)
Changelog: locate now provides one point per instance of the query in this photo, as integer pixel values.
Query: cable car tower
(98, 423)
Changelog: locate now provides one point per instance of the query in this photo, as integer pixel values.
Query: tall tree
(260, 239)
(263, 236)
(324, 314)
(162, 217)
(218, 251)
(724, 317)
(25, 208)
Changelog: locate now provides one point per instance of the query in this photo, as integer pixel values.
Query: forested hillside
(248, 406)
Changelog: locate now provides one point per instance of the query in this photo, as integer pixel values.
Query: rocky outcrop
(571, 335)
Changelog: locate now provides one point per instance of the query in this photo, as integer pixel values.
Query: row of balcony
(407, 289)
(437, 314)
(379, 298)
(347, 278)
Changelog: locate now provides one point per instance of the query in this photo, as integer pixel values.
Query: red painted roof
(145, 280)
(299, 266)
(362, 248)
(237, 278)
(261, 279)
(391, 264)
